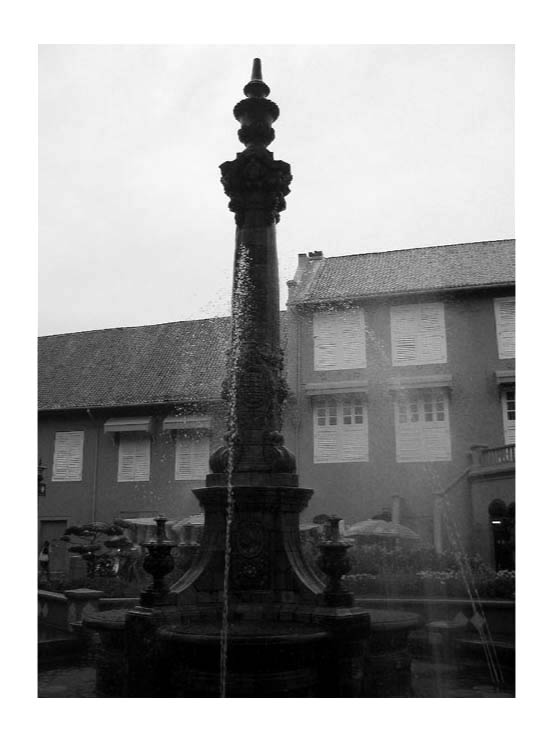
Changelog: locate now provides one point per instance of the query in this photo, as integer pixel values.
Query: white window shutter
(355, 443)
(418, 334)
(505, 324)
(191, 458)
(352, 336)
(326, 444)
(142, 459)
(340, 442)
(339, 340)
(423, 441)
(509, 424)
(125, 470)
(436, 441)
(404, 326)
(510, 435)
(134, 459)
(325, 341)
(432, 347)
(68, 456)
(408, 443)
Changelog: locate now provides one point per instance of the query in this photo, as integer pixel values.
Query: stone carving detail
(256, 181)
(250, 572)
(250, 565)
(249, 538)
(256, 133)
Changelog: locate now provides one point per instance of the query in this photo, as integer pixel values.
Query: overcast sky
(391, 147)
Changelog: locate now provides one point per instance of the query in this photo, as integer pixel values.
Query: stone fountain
(252, 617)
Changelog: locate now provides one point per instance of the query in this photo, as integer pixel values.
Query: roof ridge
(413, 249)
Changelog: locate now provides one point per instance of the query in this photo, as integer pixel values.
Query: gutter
(395, 293)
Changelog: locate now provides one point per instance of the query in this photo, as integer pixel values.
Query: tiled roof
(133, 366)
(410, 270)
(137, 365)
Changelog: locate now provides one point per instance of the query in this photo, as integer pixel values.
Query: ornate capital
(256, 181)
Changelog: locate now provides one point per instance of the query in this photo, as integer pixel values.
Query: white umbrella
(380, 528)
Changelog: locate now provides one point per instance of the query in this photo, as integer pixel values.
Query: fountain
(251, 617)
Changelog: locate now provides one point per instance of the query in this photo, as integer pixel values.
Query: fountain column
(253, 469)
(255, 388)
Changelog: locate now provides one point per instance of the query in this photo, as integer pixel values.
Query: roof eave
(391, 294)
(96, 407)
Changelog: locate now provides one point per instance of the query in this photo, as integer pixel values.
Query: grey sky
(391, 147)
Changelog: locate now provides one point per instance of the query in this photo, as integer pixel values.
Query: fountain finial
(256, 88)
(255, 112)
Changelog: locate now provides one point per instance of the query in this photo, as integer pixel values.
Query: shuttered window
(340, 431)
(68, 456)
(134, 458)
(422, 427)
(505, 326)
(339, 340)
(418, 334)
(191, 457)
(509, 415)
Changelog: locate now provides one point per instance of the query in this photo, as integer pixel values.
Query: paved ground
(441, 680)
(429, 681)
(67, 682)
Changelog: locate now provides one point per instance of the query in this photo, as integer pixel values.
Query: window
(340, 430)
(418, 334)
(422, 427)
(339, 340)
(505, 326)
(134, 458)
(509, 414)
(68, 456)
(191, 457)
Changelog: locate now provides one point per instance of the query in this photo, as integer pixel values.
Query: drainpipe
(438, 508)
(298, 387)
(96, 464)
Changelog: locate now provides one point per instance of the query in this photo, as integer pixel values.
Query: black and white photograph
(276, 371)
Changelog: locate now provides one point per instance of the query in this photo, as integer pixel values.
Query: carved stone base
(267, 565)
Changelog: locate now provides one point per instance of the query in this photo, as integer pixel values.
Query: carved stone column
(255, 388)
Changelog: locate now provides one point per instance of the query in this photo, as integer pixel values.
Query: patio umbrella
(188, 530)
(380, 528)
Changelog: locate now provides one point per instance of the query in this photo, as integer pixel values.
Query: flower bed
(423, 573)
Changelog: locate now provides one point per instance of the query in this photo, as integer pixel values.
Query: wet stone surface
(62, 682)
(429, 680)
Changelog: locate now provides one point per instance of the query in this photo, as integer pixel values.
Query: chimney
(308, 265)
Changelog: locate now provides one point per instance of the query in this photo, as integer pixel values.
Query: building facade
(127, 420)
(398, 364)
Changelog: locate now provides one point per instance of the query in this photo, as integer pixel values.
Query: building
(127, 418)
(398, 364)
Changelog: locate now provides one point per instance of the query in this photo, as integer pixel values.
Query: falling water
(239, 324)
(478, 617)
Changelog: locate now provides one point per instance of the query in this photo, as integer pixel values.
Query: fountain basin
(327, 653)
(264, 659)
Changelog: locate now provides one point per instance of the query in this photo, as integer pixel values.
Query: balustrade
(498, 455)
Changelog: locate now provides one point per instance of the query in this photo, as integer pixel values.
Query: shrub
(393, 573)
